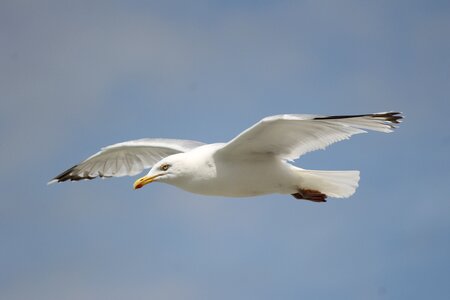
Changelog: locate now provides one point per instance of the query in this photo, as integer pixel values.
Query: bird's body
(254, 163)
(211, 174)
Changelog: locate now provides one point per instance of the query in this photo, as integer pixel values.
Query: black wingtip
(392, 116)
(69, 175)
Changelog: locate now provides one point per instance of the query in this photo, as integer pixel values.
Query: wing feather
(127, 158)
(290, 136)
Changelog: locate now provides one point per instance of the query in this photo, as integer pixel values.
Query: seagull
(255, 162)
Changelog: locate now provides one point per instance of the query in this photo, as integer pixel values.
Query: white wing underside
(126, 159)
(290, 136)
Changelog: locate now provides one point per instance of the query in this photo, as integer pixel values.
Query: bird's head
(166, 170)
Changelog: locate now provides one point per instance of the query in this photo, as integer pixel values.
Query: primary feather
(126, 158)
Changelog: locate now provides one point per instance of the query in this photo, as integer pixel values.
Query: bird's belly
(242, 180)
(229, 189)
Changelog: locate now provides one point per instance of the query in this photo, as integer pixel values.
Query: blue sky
(79, 75)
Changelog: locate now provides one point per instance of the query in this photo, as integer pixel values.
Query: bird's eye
(165, 167)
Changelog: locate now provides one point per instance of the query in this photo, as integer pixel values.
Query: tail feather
(338, 184)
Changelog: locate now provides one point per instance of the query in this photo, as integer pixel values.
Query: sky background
(79, 75)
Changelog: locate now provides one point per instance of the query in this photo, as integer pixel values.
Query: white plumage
(127, 158)
(253, 163)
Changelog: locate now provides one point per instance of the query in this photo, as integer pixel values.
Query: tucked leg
(311, 195)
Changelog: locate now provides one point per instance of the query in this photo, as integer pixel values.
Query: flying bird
(255, 162)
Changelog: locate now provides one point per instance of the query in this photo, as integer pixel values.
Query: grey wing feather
(126, 159)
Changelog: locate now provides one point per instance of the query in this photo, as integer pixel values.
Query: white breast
(237, 177)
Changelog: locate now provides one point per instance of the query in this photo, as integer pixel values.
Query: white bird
(256, 162)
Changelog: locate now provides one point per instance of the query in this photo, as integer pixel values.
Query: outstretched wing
(127, 158)
(290, 136)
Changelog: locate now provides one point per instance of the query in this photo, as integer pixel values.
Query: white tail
(338, 184)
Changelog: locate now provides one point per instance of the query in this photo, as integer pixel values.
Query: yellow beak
(144, 180)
